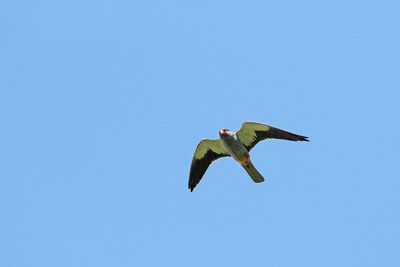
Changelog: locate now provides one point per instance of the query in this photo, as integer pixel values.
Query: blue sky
(104, 102)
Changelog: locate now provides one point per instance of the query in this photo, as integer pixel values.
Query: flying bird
(237, 145)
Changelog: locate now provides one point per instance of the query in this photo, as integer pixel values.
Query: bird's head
(224, 133)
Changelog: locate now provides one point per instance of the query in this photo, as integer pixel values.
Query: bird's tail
(254, 174)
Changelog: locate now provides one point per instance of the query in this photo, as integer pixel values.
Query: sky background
(102, 104)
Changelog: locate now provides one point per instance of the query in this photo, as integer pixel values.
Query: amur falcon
(237, 145)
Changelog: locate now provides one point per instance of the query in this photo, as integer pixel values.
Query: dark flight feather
(275, 133)
(199, 167)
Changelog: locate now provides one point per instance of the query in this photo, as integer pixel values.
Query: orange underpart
(245, 160)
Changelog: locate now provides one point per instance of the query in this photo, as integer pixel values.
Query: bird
(237, 145)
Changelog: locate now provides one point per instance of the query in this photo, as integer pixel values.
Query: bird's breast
(237, 150)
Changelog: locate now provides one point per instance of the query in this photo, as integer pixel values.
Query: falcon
(237, 145)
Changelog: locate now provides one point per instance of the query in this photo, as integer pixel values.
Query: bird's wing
(206, 152)
(253, 132)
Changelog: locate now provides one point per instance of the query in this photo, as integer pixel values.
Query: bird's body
(237, 145)
(232, 145)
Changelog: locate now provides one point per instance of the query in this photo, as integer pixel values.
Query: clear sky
(103, 102)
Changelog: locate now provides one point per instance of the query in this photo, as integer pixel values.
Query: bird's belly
(237, 151)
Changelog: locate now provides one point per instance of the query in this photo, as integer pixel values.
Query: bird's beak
(221, 132)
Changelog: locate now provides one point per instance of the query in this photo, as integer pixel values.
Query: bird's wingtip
(303, 138)
(191, 187)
